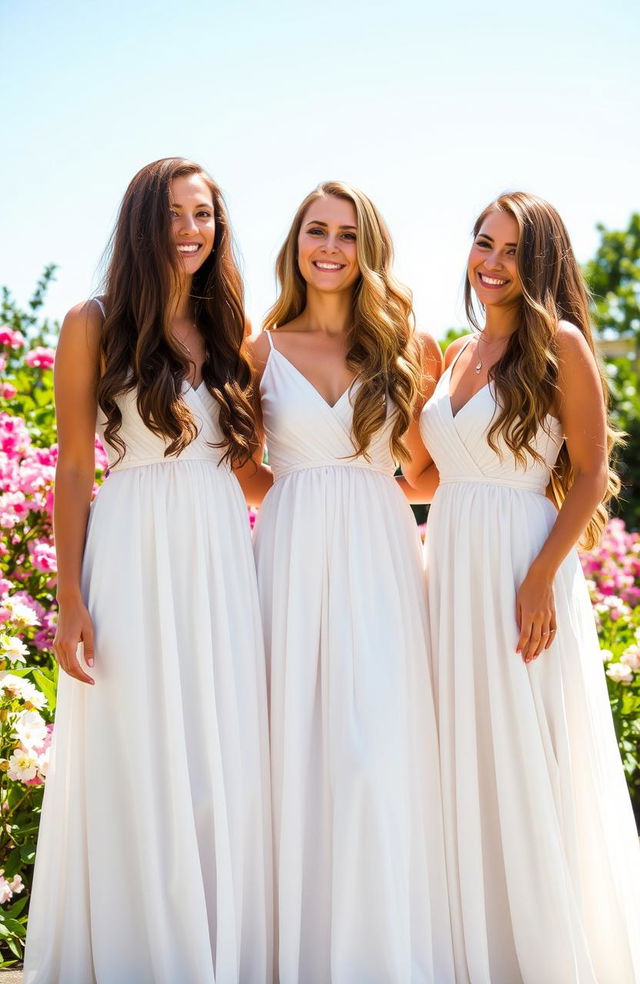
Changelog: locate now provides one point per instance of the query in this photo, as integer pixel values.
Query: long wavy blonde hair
(526, 377)
(382, 349)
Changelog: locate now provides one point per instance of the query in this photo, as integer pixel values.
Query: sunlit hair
(137, 349)
(526, 377)
(382, 350)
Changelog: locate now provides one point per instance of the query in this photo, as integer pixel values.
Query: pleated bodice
(304, 431)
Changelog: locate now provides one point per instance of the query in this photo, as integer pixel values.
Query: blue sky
(431, 110)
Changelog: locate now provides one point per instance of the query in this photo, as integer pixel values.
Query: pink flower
(40, 358)
(631, 657)
(14, 339)
(620, 673)
(7, 391)
(43, 557)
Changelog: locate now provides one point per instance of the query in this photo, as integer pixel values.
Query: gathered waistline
(145, 462)
(500, 482)
(364, 467)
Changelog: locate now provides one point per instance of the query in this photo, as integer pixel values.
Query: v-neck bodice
(143, 447)
(304, 431)
(459, 447)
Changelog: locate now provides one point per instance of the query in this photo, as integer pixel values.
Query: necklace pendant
(478, 367)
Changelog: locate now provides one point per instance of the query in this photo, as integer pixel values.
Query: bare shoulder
(81, 330)
(430, 357)
(576, 360)
(258, 347)
(428, 346)
(571, 342)
(453, 349)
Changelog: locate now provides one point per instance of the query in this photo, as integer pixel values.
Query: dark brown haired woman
(154, 853)
(542, 852)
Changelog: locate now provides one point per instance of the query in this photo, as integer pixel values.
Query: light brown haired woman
(542, 851)
(359, 855)
(153, 860)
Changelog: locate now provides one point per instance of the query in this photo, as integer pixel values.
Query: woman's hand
(74, 626)
(535, 615)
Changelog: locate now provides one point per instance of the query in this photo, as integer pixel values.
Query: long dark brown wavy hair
(137, 349)
(382, 350)
(526, 377)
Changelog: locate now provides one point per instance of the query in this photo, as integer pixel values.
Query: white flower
(631, 657)
(31, 729)
(620, 673)
(13, 649)
(21, 613)
(16, 884)
(43, 762)
(16, 686)
(22, 765)
(606, 655)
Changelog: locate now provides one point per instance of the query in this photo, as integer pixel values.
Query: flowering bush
(613, 575)
(28, 454)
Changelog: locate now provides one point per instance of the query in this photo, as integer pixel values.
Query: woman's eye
(482, 243)
(351, 236)
(204, 215)
(315, 232)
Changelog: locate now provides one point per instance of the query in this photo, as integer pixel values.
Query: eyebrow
(324, 224)
(484, 235)
(201, 205)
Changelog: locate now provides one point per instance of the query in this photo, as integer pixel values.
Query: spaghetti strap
(100, 304)
(462, 348)
(271, 345)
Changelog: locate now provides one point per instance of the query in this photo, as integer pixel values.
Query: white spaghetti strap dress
(153, 862)
(542, 850)
(359, 852)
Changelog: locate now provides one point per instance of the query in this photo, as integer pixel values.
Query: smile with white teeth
(188, 247)
(491, 281)
(323, 265)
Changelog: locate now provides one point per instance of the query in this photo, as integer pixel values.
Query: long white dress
(542, 851)
(153, 863)
(359, 851)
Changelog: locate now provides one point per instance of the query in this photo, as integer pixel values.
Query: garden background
(432, 112)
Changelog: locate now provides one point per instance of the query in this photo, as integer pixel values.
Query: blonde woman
(542, 852)
(358, 835)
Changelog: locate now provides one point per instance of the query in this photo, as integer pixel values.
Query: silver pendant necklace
(478, 366)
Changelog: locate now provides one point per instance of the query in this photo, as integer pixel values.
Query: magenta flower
(14, 339)
(40, 358)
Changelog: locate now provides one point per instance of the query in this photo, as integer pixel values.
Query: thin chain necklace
(182, 342)
(479, 364)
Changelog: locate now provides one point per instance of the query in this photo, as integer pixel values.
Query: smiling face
(193, 222)
(327, 251)
(492, 268)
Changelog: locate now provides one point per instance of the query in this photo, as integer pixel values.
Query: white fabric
(153, 862)
(542, 851)
(359, 850)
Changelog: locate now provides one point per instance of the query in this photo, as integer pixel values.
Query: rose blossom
(40, 358)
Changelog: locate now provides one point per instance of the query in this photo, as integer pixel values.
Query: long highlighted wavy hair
(526, 377)
(137, 349)
(381, 347)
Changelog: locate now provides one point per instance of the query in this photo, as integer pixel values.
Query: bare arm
(421, 477)
(582, 414)
(254, 477)
(75, 379)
